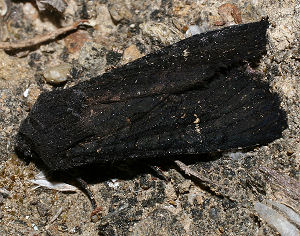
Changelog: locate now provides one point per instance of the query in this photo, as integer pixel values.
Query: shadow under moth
(194, 97)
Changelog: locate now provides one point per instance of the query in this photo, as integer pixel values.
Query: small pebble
(185, 186)
(35, 227)
(30, 11)
(3, 8)
(119, 11)
(166, 34)
(57, 74)
(25, 94)
(131, 53)
(75, 41)
(229, 14)
(92, 57)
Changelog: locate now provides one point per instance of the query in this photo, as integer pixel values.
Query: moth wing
(230, 111)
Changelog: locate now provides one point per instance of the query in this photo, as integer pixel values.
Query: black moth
(193, 97)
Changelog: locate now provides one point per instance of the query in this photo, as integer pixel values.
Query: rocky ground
(142, 204)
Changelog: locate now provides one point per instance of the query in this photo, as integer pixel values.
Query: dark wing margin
(188, 98)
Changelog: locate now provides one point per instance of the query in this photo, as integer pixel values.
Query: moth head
(24, 143)
(23, 149)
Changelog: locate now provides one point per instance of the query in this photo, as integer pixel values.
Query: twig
(289, 185)
(191, 173)
(41, 38)
(208, 184)
(56, 215)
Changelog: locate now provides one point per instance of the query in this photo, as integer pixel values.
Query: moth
(193, 97)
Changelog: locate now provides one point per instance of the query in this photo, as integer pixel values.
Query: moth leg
(85, 188)
(158, 171)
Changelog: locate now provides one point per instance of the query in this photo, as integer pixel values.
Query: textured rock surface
(136, 203)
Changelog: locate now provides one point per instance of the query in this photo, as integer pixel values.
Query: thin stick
(41, 38)
(56, 215)
(289, 185)
(205, 182)
(191, 173)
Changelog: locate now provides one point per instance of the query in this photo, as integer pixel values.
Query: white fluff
(41, 181)
(195, 29)
(113, 183)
